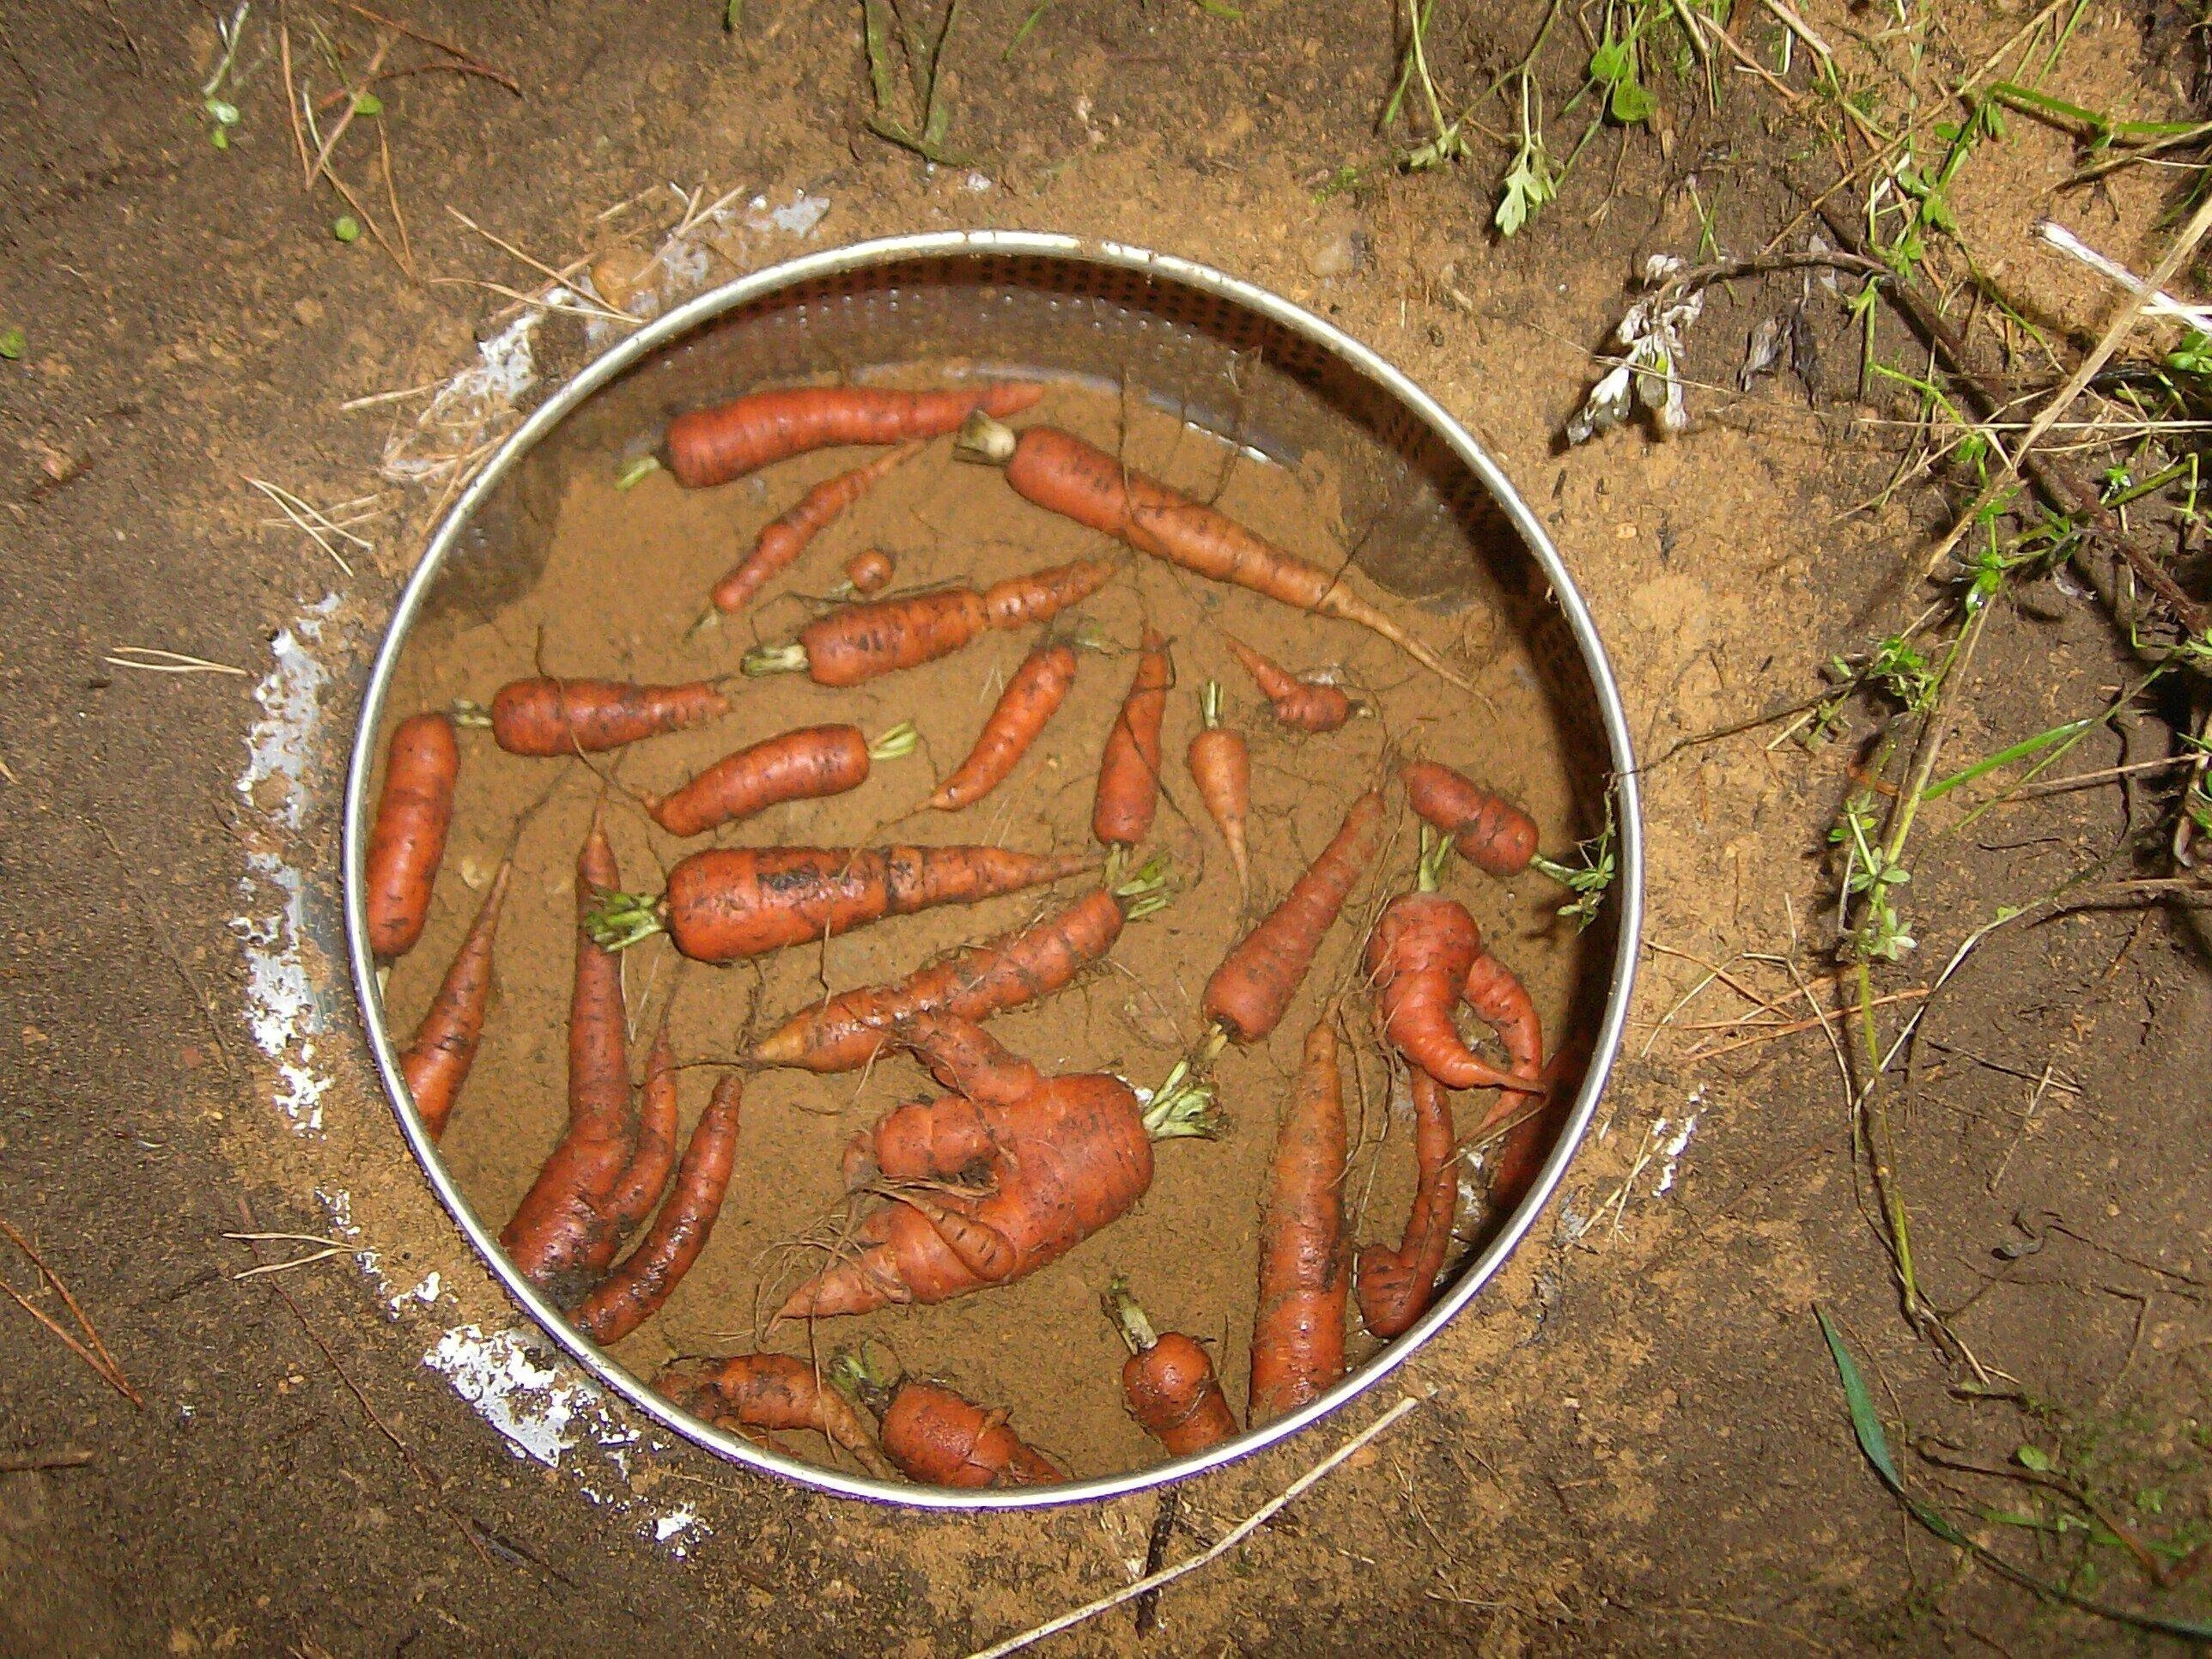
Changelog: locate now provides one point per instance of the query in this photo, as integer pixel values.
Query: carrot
(561, 1226)
(1298, 1330)
(785, 538)
(1501, 1001)
(868, 571)
(1305, 704)
(769, 1391)
(436, 1063)
(731, 902)
(805, 764)
(849, 1030)
(1058, 1159)
(1064, 474)
(1250, 992)
(1032, 696)
(644, 1279)
(1129, 773)
(1221, 767)
(547, 717)
(940, 1439)
(422, 764)
(1521, 1155)
(639, 1190)
(1490, 831)
(1396, 1286)
(1168, 1381)
(859, 641)
(714, 446)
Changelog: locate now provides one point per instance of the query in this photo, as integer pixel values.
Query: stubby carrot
(852, 1028)
(785, 538)
(436, 1062)
(1396, 1286)
(1307, 705)
(1032, 696)
(1490, 831)
(806, 764)
(1129, 772)
(1168, 1381)
(868, 571)
(732, 901)
(939, 1438)
(714, 446)
(546, 717)
(1062, 474)
(772, 1392)
(858, 643)
(1298, 1330)
(422, 764)
(1221, 767)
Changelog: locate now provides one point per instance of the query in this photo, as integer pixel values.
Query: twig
(65, 1457)
(154, 660)
(291, 90)
(477, 65)
(2156, 303)
(575, 302)
(321, 163)
(97, 1355)
(391, 195)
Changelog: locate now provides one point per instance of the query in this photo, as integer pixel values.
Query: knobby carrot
(422, 764)
(1221, 767)
(1490, 831)
(941, 1439)
(805, 764)
(714, 446)
(731, 902)
(1396, 1286)
(852, 1028)
(548, 717)
(1064, 474)
(868, 571)
(1168, 1381)
(857, 643)
(1297, 1331)
(785, 538)
(436, 1063)
(1129, 772)
(1307, 705)
(1032, 696)
(772, 1392)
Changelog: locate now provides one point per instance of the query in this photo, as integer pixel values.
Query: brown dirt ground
(1635, 1442)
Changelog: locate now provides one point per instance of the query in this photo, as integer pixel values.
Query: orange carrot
(785, 538)
(1305, 704)
(1221, 767)
(714, 446)
(1129, 773)
(1168, 1381)
(1297, 1331)
(436, 1063)
(732, 901)
(646, 1277)
(806, 764)
(1396, 1286)
(1065, 474)
(548, 717)
(868, 571)
(639, 1190)
(1521, 1155)
(770, 1391)
(852, 1028)
(1251, 991)
(857, 643)
(1039, 686)
(1500, 999)
(940, 1439)
(1490, 831)
(420, 765)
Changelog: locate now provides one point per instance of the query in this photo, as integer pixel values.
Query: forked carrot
(1221, 767)
(806, 764)
(1032, 696)
(785, 538)
(1129, 772)
(422, 764)
(1168, 1381)
(436, 1062)
(1308, 705)
(714, 446)
(1297, 1331)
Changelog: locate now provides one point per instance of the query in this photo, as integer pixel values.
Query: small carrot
(868, 571)
(785, 538)
(422, 764)
(857, 643)
(731, 902)
(1129, 772)
(714, 446)
(852, 1028)
(1306, 704)
(646, 1277)
(436, 1062)
(1064, 474)
(1032, 696)
(547, 717)
(1251, 990)
(1221, 767)
(769, 1391)
(1298, 1330)
(1168, 1381)
(1490, 831)
(940, 1439)
(1396, 1286)
(805, 764)
(639, 1188)
(1521, 1155)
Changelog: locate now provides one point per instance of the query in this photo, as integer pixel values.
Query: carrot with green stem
(1129, 772)
(1063, 474)
(938, 1438)
(1307, 705)
(546, 717)
(1396, 1286)
(805, 764)
(435, 1062)
(784, 538)
(708, 446)
(1298, 1329)
(1490, 831)
(770, 1392)
(421, 765)
(1221, 767)
(1031, 698)
(1167, 1380)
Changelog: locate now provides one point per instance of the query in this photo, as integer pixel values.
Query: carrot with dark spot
(435, 1064)
(1129, 773)
(1168, 1381)
(546, 717)
(1490, 831)
(1221, 767)
(785, 538)
(1032, 696)
(772, 1392)
(422, 764)
(712, 446)
(1298, 1330)
(806, 764)
(941, 1439)
(1397, 1287)
(1307, 705)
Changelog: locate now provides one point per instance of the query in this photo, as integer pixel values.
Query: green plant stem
(1874, 1111)
(2058, 111)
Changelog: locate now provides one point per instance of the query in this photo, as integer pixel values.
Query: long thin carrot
(714, 446)
(1168, 1381)
(1129, 771)
(1305, 704)
(1297, 1331)
(436, 1062)
(805, 764)
(1032, 696)
(1221, 767)
(1065, 474)
(547, 717)
(1490, 831)
(731, 902)
(1396, 1286)
(654, 1156)
(422, 764)
(769, 1391)
(785, 538)
(1521, 1155)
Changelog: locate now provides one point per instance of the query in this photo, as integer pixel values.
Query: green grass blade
(1864, 1422)
(2018, 751)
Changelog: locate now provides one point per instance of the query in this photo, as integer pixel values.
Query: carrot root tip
(985, 439)
(765, 660)
(708, 621)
